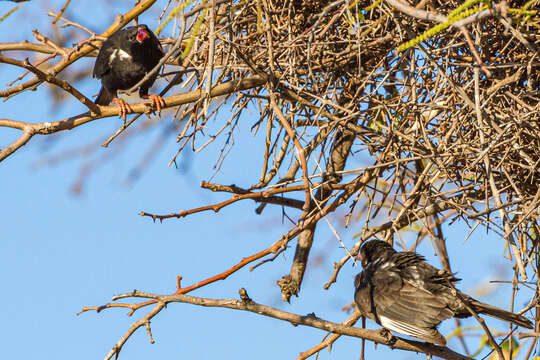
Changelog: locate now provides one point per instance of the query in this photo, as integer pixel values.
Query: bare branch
(142, 107)
(306, 320)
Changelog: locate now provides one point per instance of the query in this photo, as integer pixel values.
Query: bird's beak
(142, 35)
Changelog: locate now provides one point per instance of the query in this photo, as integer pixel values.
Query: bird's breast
(364, 301)
(125, 72)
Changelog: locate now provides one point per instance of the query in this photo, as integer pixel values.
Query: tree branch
(94, 109)
(242, 194)
(332, 338)
(290, 283)
(246, 304)
(142, 107)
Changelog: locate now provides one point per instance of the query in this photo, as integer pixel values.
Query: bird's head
(136, 35)
(374, 250)
(142, 33)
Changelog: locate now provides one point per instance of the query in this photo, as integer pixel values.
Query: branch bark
(246, 304)
(290, 283)
(142, 107)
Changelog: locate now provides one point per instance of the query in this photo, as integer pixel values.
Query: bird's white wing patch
(404, 328)
(120, 55)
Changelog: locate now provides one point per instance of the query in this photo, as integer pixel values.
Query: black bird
(403, 293)
(123, 60)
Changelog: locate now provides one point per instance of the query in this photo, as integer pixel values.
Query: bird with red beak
(123, 60)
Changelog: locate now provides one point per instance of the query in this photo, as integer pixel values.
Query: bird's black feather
(104, 97)
(124, 60)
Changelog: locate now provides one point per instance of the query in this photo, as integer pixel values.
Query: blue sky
(60, 251)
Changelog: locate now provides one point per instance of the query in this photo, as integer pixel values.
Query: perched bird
(403, 293)
(123, 60)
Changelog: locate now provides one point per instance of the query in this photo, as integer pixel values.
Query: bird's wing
(404, 307)
(102, 65)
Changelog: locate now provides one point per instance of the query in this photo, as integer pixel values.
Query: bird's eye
(132, 38)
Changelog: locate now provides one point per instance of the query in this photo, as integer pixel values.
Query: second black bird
(123, 60)
(403, 293)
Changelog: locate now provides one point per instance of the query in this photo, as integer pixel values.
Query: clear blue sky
(60, 251)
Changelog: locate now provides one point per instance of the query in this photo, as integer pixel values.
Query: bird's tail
(104, 97)
(501, 314)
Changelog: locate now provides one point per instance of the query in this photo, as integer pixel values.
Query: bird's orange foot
(124, 108)
(157, 101)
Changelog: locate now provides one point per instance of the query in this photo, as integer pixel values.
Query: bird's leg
(157, 101)
(124, 107)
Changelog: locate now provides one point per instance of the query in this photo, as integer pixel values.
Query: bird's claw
(124, 108)
(157, 102)
(390, 339)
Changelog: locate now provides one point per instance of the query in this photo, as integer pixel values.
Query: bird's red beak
(142, 35)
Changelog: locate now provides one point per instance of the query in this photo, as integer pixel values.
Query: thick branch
(313, 321)
(290, 283)
(142, 107)
(35, 47)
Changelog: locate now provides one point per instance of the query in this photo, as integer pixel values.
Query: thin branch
(242, 194)
(299, 149)
(64, 85)
(17, 144)
(405, 219)
(61, 12)
(432, 15)
(330, 339)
